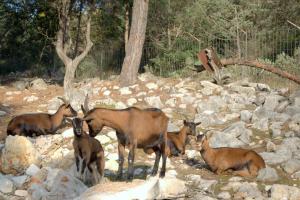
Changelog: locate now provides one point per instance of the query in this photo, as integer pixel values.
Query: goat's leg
(131, 155)
(157, 159)
(83, 166)
(121, 151)
(165, 152)
(100, 166)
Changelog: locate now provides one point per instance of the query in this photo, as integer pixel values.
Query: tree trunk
(62, 46)
(126, 33)
(136, 40)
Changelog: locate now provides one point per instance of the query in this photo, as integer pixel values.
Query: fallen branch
(267, 67)
(298, 27)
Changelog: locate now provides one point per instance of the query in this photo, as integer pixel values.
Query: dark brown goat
(177, 140)
(242, 162)
(88, 149)
(40, 123)
(135, 128)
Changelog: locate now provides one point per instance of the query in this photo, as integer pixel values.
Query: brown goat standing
(40, 123)
(242, 162)
(88, 149)
(135, 128)
(177, 140)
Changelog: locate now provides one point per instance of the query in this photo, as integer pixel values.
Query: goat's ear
(185, 122)
(196, 124)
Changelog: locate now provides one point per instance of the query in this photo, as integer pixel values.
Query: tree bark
(62, 45)
(126, 33)
(136, 40)
(270, 68)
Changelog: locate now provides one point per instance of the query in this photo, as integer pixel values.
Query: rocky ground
(240, 114)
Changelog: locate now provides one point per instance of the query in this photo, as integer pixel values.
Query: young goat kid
(89, 150)
(135, 128)
(242, 162)
(40, 123)
(177, 140)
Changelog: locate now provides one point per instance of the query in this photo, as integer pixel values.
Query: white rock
(131, 101)
(112, 135)
(224, 195)
(192, 154)
(120, 105)
(116, 87)
(21, 193)
(16, 158)
(171, 188)
(141, 94)
(30, 98)
(113, 156)
(2, 113)
(6, 185)
(171, 102)
(282, 192)
(68, 133)
(38, 84)
(109, 147)
(111, 165)
(103, 139)
(152, 86)
(106, 93)
(32, 170)
(182, 106)
(125, 91)
(154, 101)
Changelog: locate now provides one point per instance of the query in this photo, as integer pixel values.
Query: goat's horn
(86, 103)
(64, 100)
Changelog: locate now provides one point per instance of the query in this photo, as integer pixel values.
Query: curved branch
(254, 63)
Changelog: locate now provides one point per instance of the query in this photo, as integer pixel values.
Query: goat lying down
(242, 162)
(35, 124)
(89, 150)
(135, 128)
(177, 140)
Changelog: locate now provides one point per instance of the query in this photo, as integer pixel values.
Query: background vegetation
(176, 31)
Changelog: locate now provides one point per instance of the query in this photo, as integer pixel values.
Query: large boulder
(153, 188)
(280, 192)
(38, 84)
(17, 155)
(58, 185)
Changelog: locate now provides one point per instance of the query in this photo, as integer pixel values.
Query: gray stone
(281, 192)
(272, 101)
(171, 102)
(241, 89)
(202, 184)
(38, 84)
(292, 110)
(6, 185)
(246, 116)
(259, 100)
(2, 113)
(154, 101)
(210, 88)
(276, 129)
(291, 166)
(172, 127)
(267, 174)
(263, 87)
(271, 147)
(251, 190)
(275, 158)
(20, 85)
(21, 193)
(32, 170)
(262, 124)
(103, 139)
(19, 180)
(282, 106)
(224, 195)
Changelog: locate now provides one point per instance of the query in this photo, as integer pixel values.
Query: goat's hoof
(162, 174)
(153, 173)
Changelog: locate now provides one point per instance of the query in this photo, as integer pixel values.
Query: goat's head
(67, 109)
(191, 127)
(77, 124)
(203, 140)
